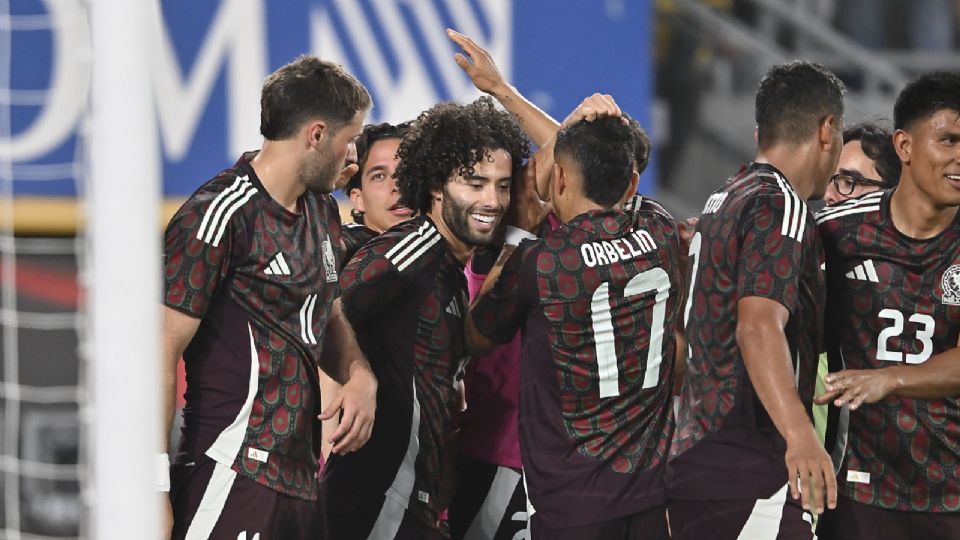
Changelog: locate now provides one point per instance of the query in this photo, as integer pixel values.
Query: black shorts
(650, 524)
(780, 517)
(390, 521)
(489, 504)
(852, 520)
(210, 500)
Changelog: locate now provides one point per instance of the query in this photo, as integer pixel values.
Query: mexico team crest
(951, 285)
(329, 262)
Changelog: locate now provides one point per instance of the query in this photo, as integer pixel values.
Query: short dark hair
(641, 144)
(924, 96)
(877, 144)
(371, 134)
(792, 99)
(450, 138)
(305, 89)
(604, 150)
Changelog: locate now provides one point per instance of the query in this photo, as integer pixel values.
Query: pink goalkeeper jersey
(489, 430)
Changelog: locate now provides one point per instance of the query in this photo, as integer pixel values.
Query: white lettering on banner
(401, 96)
(237, 37)
(66, 98)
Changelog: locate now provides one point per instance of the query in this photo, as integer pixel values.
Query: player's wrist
(163, 472)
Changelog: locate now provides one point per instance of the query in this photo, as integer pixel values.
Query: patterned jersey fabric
(262, 280)
(894, 300)
(755, 238)
(598, 301)
(404, 293)
(354, 235)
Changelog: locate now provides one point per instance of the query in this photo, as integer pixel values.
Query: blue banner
(210, 59)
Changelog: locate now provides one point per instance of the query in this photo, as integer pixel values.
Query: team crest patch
(951, 285)
(329, 262)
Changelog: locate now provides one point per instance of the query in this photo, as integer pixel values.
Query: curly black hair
(450, 138)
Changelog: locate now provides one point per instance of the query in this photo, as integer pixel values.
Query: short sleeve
(372, 280)
(774, 230)
(500, 313)
(198, 249)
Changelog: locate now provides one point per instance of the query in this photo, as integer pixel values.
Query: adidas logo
(864, 272)
(277, 267)
(454, 309)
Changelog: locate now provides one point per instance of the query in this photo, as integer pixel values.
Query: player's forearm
(766, 356)
(938, 377)
(341, 355)
(168, 400)
(537, 124)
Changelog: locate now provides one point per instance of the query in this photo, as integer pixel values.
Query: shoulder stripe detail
(869, 199)
(218, 214)
(429, 244)
(847, 212)
(795, 212)
(413, 246)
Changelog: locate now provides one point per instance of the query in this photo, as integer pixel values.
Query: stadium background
(686, 68)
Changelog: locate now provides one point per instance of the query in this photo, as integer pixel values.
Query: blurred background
(686, 68)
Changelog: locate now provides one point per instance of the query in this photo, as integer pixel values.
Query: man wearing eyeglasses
(868, 163)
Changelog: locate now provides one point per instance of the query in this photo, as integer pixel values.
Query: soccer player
(598, 300)
(373, 189)
(893, 274)
(405, 294)
(250, 303)
(753, 321)
(868, 163)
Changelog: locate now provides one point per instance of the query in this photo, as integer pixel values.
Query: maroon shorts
(650, 524)
(852, 520)
(778, 518)
(211, 501)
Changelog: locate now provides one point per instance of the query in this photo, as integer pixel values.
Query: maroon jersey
(405, 294)
(755, 237)
(262, 280)
(354, 235)
(892, 300)
(598, 302)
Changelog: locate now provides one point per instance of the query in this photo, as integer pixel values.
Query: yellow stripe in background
(64, 216)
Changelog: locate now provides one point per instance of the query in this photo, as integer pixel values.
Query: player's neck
(796, 163)
(276, 167)
(915, 215)
(461, 250)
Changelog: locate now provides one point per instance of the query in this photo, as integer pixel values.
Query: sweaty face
(473, 205)
(320, 169)
(852, 159)
(934, 158)
(379, 198)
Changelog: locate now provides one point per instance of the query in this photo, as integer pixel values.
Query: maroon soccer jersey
(755, 237)
(405, 294)
(598, 301)
(354, 235)
(893, 300)
(262, 281)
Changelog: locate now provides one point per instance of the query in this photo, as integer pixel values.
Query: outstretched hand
(480, 66)
(527, 210)
(857, 386)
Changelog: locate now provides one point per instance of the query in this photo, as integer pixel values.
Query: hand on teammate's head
(591, 108)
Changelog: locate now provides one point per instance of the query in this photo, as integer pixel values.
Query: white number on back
(655, 279)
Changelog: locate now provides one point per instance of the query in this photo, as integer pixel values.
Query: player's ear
(356, 200)
(828, 130)
(559, 179)
(902, 143)
(316, 131)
